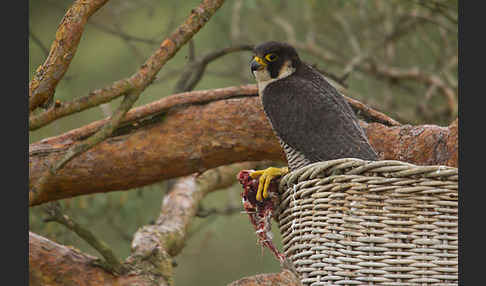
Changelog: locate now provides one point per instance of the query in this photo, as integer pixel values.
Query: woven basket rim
(381, 168)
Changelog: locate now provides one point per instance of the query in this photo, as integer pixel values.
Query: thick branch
(199, 136)
(57, 265)
(143, 77)
(420, 144)
(68, 35)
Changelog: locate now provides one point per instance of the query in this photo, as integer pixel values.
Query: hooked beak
(257, 64)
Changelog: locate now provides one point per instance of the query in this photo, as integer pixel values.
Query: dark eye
(271, 57)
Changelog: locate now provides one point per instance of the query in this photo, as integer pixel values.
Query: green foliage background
(222, 248)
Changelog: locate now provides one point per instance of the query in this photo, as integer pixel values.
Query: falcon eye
(271, 57)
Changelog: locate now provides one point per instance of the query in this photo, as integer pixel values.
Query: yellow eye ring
(271, 57)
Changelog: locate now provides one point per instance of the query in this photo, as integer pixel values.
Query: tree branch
(143, 77)
(63, 49)
(58, 265)
(228, 131)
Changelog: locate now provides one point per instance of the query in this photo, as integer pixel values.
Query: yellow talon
(266, 177)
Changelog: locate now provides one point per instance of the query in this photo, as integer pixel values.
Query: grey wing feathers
(313, 118)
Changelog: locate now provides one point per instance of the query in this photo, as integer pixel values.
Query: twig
(194, 71)
(123, 35)
(111, 263)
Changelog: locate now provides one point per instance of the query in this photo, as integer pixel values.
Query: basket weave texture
(355, 222)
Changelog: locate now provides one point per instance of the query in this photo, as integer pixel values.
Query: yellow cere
(260, 61)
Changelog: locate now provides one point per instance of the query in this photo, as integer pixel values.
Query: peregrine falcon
(311, 119)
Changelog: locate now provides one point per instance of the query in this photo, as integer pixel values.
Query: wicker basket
(355, 222)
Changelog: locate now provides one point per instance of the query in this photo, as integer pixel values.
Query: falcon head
(273, 61)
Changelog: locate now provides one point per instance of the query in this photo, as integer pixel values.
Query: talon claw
(261, 183)
(268, 179)
(266, 176)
